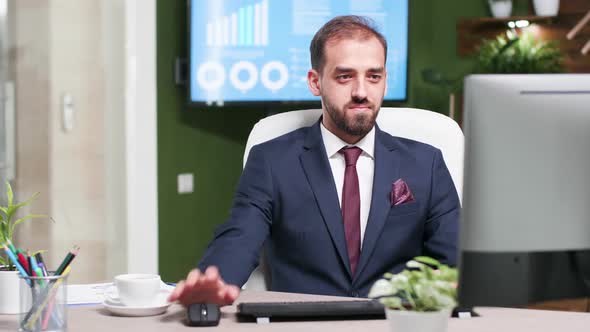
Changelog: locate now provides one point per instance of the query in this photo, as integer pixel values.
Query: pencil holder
(44, 304)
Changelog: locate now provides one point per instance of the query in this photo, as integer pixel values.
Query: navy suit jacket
(287, 201)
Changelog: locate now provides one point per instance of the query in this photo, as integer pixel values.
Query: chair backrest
(420, 125)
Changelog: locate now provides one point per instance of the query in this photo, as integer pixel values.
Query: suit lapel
(319, 174)
(386, 171)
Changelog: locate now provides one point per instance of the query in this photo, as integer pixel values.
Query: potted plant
(546, 7)
(420, 298)
(500, 8)
(10, 282)
(522, 54)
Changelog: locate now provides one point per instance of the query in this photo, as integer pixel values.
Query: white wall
(76, 156)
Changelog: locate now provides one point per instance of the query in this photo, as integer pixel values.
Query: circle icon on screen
(211, 75)
(251, 72)
(283, 73)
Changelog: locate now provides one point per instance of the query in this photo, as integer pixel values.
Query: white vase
(546, 7)
(10, 288)
(500, 8)
(408, 321)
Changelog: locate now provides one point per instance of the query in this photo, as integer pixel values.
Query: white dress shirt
(365, 167)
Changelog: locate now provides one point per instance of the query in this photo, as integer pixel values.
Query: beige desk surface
(95, 318)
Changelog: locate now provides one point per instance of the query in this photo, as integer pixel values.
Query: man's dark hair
(339, 28)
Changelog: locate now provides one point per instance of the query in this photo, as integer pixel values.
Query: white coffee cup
(135, 290)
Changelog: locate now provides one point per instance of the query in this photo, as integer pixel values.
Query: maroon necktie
(351, 206)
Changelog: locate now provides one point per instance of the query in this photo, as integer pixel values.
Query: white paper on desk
(94, 293)
(87, 293)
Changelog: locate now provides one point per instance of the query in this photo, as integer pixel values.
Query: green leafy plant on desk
(513, 54)
(426, 285)
(8, 223)
(420, 298)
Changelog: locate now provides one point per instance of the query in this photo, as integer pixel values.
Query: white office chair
(424, 126)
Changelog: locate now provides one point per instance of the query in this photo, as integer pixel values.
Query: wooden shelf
(472, 31)
(504, 20)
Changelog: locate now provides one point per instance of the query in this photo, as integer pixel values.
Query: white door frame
(141, 137)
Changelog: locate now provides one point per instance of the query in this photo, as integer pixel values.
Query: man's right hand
(205, 287)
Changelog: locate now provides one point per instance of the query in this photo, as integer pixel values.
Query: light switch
(185, 183)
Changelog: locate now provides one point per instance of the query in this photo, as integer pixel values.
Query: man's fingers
(222, 296)
(231, 294)
(177, 292)
(228, 294)
(211, 279)
(192, 278)
(212, 273)
(235, 291)
(204, 287)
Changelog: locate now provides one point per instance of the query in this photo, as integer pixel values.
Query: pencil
(23, 261)
(36, 270)
(16, 263)
(66, 262)
(62, 270)
(11, 246)
(33, 319)
(43, 269)
(48, 312)
(29, 264)
(41, 263)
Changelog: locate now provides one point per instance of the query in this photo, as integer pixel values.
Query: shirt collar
(333, 143)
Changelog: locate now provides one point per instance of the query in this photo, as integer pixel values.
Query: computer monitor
(257, 51)
(525, 224)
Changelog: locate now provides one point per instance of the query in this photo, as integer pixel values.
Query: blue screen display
(258, 50)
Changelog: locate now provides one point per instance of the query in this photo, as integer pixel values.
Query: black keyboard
(312, 310)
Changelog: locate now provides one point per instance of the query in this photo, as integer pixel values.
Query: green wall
(210, 144)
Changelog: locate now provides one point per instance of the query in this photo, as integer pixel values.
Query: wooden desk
(95, 318)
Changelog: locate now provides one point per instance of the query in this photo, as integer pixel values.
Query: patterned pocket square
(401, 193)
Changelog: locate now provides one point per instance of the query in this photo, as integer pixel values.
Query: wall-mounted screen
(258, 50)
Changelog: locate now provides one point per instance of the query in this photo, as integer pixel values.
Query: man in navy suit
(337, 204)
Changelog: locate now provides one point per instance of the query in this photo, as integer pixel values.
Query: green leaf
(13, 208)
(412, 264)
(427, 285)
(7, 225)
(9, 193)
(27, 202)
(21, 220)
(392, 302)
(514, 54)
(4, 233)
(509, 44)
(33, 253)
(427, 260)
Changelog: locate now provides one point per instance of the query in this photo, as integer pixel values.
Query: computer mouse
(203, 314)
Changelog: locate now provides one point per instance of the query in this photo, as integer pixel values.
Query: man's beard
(359, 125)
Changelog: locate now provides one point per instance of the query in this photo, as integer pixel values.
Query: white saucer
(159, 306)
